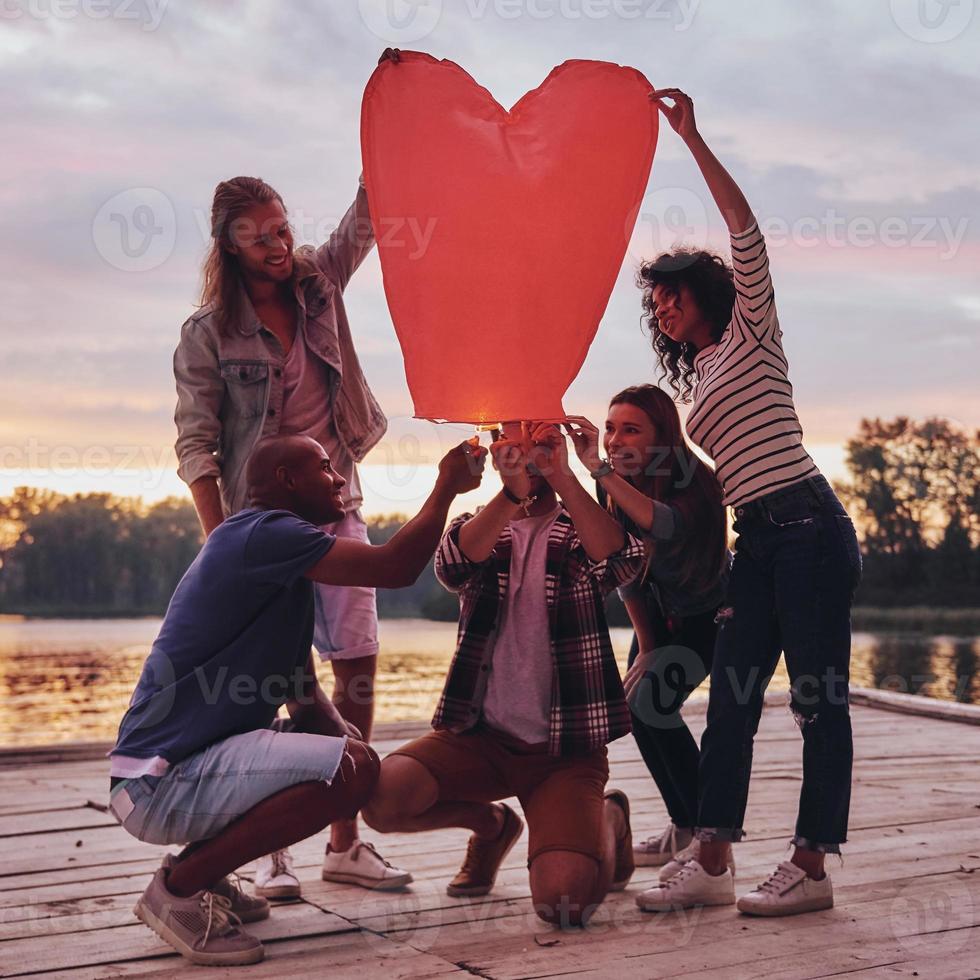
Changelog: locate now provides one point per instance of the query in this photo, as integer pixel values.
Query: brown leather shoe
(483, 858)
(625, 864)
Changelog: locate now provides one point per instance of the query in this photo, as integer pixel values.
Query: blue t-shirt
(233, 646)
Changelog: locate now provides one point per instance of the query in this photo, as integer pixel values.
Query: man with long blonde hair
(270, 351)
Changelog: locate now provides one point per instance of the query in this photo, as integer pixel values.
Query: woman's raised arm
(727, 194)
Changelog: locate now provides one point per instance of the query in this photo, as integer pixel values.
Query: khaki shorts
(562, 797)
(345, 622)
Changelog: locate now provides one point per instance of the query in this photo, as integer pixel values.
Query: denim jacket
(230, 389)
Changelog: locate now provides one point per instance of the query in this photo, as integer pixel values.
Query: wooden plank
(717, 940)
(914, 704)
(364, 956)
(113, 944)
(915, 842)
(76, 818)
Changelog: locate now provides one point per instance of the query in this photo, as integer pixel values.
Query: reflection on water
(70, 680)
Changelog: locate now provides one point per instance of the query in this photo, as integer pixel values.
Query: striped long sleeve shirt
(743, 415)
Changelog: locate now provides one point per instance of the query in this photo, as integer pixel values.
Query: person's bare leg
(291, 815)
(810, 861)
(353, 696)
(406, 799)
(714, 856)
(566, 886)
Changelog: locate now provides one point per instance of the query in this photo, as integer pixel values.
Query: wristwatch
(605, 468)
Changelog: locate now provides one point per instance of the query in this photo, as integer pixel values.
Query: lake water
(70, 680)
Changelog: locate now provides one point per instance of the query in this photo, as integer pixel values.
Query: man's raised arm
(400, 561)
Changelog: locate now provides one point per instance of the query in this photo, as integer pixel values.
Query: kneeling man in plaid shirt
(533, 695)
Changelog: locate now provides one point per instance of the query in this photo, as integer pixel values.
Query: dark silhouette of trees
(914, 494)
(93, 554)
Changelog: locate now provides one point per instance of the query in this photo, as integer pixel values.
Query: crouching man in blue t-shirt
(196, 762)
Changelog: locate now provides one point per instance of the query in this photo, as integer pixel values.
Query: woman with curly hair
(796, 565)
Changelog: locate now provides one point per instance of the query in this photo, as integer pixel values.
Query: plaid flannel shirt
(588, 707)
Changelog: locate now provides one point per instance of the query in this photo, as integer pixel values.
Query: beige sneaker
(789, 890)
(692, 886)
(362, 865)
(201, 928)
(693, 850)
(661, 848)
(248, 908)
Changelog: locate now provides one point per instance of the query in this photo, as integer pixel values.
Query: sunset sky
(854, 130)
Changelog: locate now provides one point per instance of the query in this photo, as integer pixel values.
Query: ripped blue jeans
(796, 567)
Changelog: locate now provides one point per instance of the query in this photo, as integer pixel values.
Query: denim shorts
(199, 796)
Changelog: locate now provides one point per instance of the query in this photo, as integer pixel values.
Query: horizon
(388, 490)
(119, 127)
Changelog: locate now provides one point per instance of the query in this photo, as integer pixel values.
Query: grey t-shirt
(662, 580)
(521, 679)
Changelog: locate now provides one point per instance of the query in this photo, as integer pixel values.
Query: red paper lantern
(501, 233)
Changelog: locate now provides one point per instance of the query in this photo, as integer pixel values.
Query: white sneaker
(275, 877)
(789, 890)
(693, 850)
(658, 850)
(362, 865)
(690, 887)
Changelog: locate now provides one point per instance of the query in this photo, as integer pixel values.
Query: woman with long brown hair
(661, 492)
(271, 352)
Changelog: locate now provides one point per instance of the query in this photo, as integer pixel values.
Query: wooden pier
(908, 893)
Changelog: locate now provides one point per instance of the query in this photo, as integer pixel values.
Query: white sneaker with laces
(690, 887)
(362, 865)
(275, 877)
(661, 848)
(693, 850)
(789, 890)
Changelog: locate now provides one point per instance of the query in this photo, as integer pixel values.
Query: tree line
(913, 491)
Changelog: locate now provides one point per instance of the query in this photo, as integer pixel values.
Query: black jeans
(796, 567)
(685, 647)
